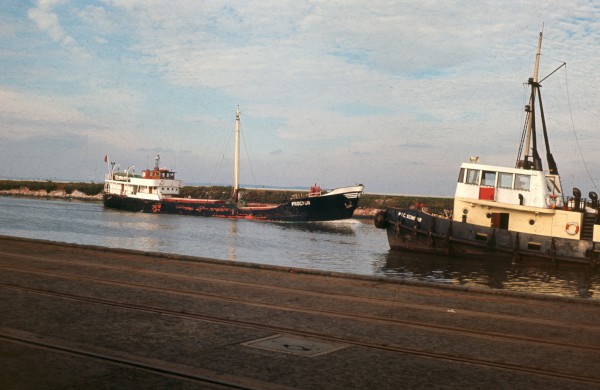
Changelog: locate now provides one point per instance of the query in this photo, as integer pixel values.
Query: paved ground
(75, 317)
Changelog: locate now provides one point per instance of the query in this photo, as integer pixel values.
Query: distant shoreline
(369, 204)
(61, 194)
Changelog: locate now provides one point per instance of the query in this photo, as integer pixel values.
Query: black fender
(380, 220)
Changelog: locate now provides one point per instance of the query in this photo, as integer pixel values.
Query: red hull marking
(200, 201)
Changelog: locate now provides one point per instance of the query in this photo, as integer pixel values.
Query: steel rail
(311, 334)
(330, 313)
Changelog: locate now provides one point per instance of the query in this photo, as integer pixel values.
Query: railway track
(205, 378)
(171, 285)
(331, 313)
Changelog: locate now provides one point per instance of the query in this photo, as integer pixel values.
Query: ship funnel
(594, 197)
(577, 200)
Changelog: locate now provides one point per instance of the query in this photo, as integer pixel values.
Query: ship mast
(529, 133)
(236, 162)
(531, 136)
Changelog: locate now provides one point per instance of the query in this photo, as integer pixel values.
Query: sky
(394, 95)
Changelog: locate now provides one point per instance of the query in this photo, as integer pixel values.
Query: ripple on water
(350, 246)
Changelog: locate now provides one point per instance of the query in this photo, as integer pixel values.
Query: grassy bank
(49, 186)
(367, 201)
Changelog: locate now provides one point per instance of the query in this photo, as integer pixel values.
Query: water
(351, 246)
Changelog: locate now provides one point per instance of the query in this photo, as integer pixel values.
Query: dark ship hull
(415, 230)
(310, 208)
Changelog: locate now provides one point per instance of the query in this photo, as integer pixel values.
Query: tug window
(522, 182)
(461, 175)
(473, 176)
(505, 180)
(488, 179)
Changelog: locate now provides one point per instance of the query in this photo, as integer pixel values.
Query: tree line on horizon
(248, 195)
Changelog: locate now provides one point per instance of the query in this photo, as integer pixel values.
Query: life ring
(572, 228)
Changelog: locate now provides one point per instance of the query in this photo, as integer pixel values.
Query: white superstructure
(152, 184)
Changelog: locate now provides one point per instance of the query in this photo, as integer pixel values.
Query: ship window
(553, 185)
(461, 175)
(488, 179)
(472, 176)
(522, 182)
(505, 180)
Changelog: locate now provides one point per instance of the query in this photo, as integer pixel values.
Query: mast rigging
(529, 136)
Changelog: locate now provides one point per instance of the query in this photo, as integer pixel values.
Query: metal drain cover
(295, 345)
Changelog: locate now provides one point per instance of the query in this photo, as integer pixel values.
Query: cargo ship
(519, 212)
(158, 191)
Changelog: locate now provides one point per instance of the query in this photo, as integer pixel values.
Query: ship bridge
(513, 186)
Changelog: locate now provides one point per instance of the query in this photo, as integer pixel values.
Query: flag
(106, 158)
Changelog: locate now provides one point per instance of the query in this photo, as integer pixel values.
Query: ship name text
(298, 203)
(409, 216)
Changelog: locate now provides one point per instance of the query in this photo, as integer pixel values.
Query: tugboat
(520, 211)
(158, 191)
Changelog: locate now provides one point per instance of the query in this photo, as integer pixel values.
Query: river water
(351, 246)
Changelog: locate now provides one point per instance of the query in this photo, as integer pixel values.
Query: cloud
(365, 89)
(48, 21)
(38, 112)
(98, 18)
